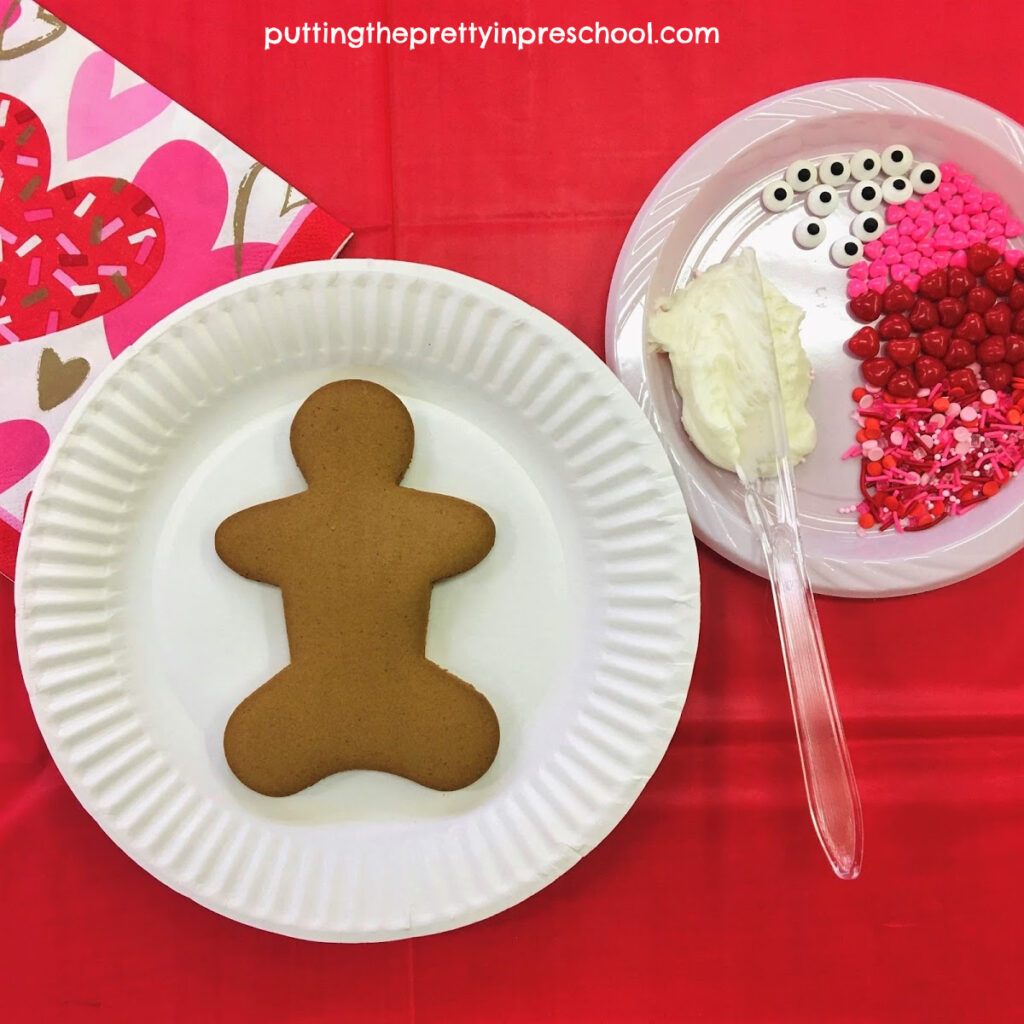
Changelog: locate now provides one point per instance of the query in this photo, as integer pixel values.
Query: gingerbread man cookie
(355, 556)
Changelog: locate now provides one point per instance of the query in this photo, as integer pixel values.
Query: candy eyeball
(896, 160)
(809, 233)
(822, 200)
(802, 175)
(846, 251)
(896, 190)
(865, 164)
(925, 178)
(866, 195)
(867, 226)
(834, 170)
(777, 196)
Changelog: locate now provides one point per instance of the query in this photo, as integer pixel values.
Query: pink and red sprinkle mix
(941, 415)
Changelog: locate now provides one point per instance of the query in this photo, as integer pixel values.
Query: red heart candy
(934, 284)
(980, 257)
(1018, 322)
(992, 350)
(924, 315)
(929, 371)
(951, 311)
(963, 379)
(72, 252)
(902, 384)
(867, 307)
(959, 282)
(936, 341)
(894, 326)
(1016, 298)
(997, 319)
(998, 375)
(897, 298)
(903, 351)
(864, 344)
(960, 353)
(972, 327)
(980, 298)
(877, 371)
(999, 277)
(1014, 348)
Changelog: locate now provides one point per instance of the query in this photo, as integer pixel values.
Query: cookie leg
(269, 740)
(449, 731)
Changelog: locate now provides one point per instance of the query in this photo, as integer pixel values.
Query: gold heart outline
(58, 29)
(242, 198)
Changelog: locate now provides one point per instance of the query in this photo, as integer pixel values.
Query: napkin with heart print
(117, 206)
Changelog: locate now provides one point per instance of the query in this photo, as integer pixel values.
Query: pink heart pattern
(95, 117)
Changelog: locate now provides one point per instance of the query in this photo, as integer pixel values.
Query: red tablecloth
(712, 900)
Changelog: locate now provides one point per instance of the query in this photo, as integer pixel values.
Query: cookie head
(352, 429)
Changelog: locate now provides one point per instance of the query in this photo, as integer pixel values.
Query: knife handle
(828, 774)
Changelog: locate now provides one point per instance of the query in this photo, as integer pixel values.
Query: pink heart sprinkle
(877, 269)
(1013, 228)
(960, 241)
(894, 214)
(926, 248)
(912, 259)
(873, 250)
(905, 226)
(1000, 214)
(946, 191)
(913, 207)
(927, 266)
(856, 288)
(932, 201)
(1013, 256)
(963, 182)
(958, 259)
(994, 229)
(988, 200)
(973, 195)
(912, 281)
(859, 271)
(941, 259)
(971, 209)
(979, 221)
(962, 223)
(907, 245)
(925, 220)
(918, 235)
(998, 243)
(891, 255)
(899, 271)
(891, 237)
(943, 216)
(956, 205)
(975, 236)
(878, 284)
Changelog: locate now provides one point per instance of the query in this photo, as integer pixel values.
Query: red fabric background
(712, 901)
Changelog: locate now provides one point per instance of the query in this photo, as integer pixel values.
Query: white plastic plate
(708, 206)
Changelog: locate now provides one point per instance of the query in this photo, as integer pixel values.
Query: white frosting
(720, 332)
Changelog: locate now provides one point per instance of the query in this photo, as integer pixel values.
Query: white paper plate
(705, 208)
(580, 626)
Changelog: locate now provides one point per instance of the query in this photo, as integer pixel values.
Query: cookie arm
(464, 536)
(249, 542)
